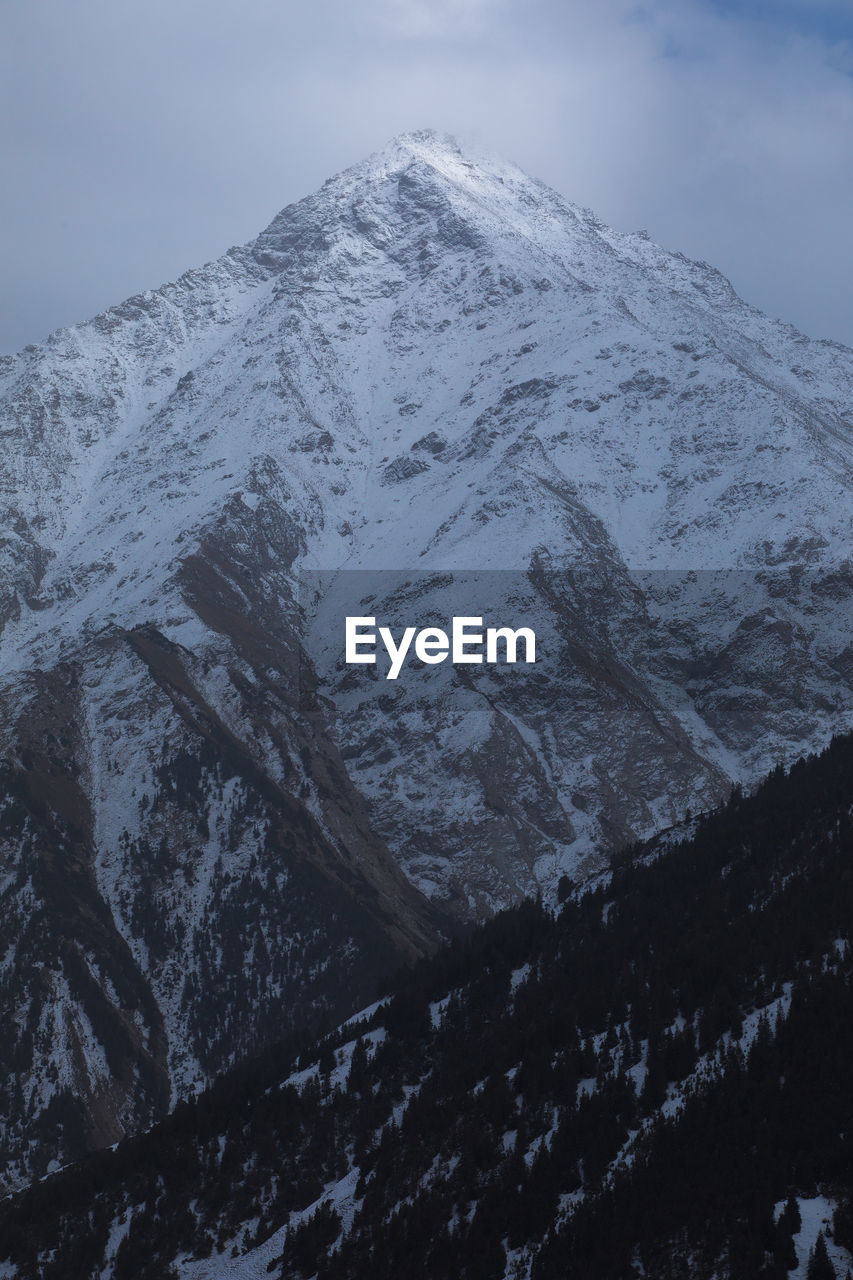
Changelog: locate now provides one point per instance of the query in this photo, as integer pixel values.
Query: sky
(139, 138)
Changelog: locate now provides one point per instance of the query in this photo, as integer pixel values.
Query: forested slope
(633, 1086)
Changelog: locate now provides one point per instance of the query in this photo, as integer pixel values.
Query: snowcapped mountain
(432, 387)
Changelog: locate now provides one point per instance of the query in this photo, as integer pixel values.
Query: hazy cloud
(139, 140)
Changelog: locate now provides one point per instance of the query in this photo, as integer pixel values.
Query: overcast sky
(142, 137)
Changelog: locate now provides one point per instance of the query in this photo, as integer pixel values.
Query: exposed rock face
(435, 387)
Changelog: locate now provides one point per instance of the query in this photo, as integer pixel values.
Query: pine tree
(820, 1267)
(790, 1216)
(784, 1253)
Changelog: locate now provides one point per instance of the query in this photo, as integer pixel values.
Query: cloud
(140, 140)
(443, 19)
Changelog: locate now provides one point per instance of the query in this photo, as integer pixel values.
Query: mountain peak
(401, 192)
(444, 152)
(424, 142)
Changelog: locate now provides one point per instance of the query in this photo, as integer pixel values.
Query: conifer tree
(790, 1217)
(820, 1267)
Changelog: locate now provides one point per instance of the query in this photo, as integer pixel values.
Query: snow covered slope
(433, 383)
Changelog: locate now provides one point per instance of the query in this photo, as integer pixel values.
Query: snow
(816, 1215)
(343, 1059)
(254, 1264)
(519, 976)
(120, 528)
(436, 1011)
(366, 1014)
(118, 1231)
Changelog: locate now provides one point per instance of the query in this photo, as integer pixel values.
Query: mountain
(432, 388)
(653, 1080)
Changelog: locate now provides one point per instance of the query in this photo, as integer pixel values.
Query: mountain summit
(434, 387)
(375, 308)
